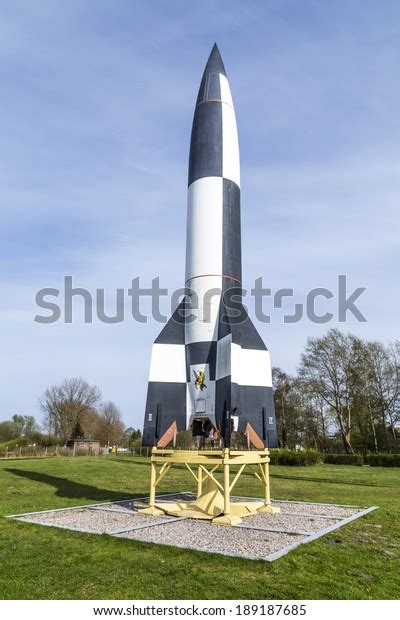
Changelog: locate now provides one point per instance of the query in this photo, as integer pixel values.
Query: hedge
(343, 459)
(382, 460)
(312, 457)
(14, 443)
(290, 457)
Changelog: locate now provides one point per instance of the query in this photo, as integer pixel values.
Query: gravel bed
(112, 508)
(123, 506)
(204, 536)
(310, 509)
(326, 510)
(251, 542)
(177, 497)
(292, 523)
(96, 521)
(138, 504)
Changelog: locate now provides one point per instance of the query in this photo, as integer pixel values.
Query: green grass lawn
(358, 561)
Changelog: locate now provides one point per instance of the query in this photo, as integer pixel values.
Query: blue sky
(96, 109)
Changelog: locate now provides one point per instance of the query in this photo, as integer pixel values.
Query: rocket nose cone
(214, 62)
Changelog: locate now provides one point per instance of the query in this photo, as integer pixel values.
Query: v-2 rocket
(209, 362)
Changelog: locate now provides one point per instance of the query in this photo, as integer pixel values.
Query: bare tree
(69, 405)
(111, 427)
(386, 380)
(300, 413)
(327, 370)
(378, 368)
(282, 383)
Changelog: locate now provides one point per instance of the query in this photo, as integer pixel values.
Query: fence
(141, 451)
(40, 452)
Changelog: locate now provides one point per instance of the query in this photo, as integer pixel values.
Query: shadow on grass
(71, 489)
(127, 460)
(325, 480)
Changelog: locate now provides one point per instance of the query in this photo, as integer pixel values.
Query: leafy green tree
(24, 425)
(18, 426)
(7, 431)
(132, 438)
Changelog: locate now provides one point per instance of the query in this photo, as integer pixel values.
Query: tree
(72, 402)
(110, 425)
(7, 431)
(328, 372)
(18, 426)
(281, 385)
(300, 415)
(385, 381)
(132, 438)
(24, 425)
(376, 400)
(289, 409)
(357, 385)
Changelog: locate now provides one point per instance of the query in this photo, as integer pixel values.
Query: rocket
(209, 366)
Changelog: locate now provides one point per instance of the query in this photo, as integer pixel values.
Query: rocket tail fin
(165, 412)
(245, 381)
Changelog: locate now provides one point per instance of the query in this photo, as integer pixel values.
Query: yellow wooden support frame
(256, 474)
(253, 459)
(163, 471)
(210, 475)
(236, 478)
(192, 472)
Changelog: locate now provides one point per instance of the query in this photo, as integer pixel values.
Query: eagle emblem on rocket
(200, 380)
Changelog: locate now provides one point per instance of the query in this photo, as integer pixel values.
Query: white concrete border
(313, 514)
(274, 529)
(117, 501)
(307, 536)
(314, 536)
(147, 525)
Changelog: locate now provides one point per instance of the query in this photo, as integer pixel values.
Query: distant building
(91, 446)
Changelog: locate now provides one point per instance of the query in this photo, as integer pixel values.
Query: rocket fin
(252, 373)
(165, 412)
(244, 380)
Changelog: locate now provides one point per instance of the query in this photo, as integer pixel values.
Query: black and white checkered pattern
(231, 353)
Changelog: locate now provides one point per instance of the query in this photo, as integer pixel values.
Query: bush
(30, 451)
(383, 460)
(43, 440)
(11, 444)
(313, 457)
(82, 452)
(185, 441)
(291, 457)
(238, 441)
(343, 459)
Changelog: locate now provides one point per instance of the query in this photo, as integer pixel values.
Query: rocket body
(213, 253)
(209, 363)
